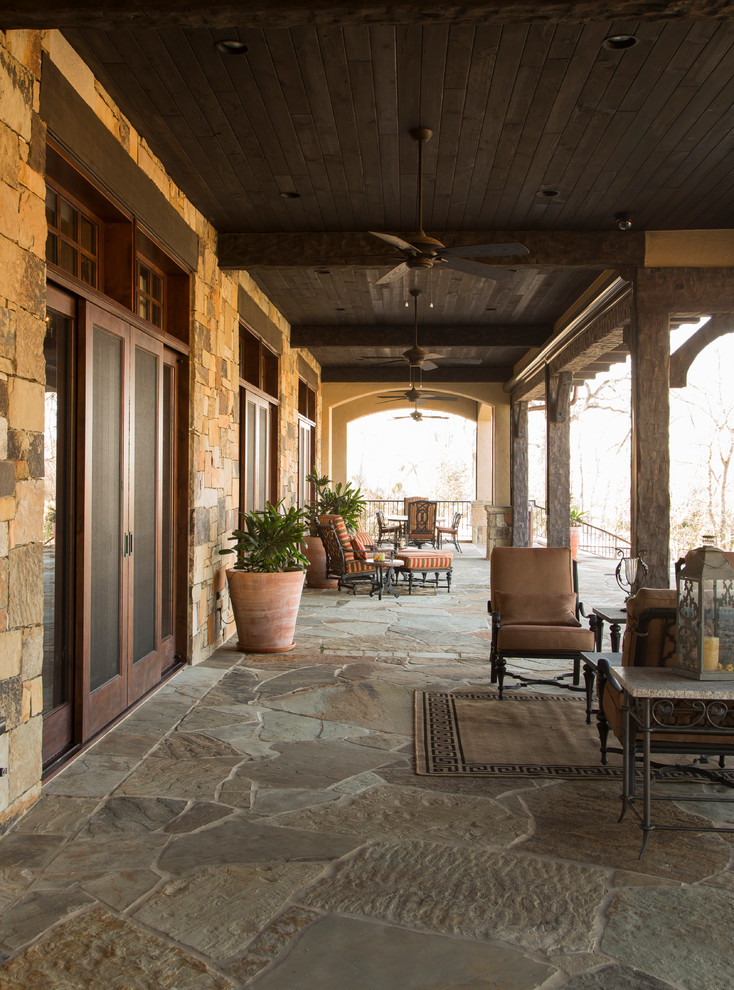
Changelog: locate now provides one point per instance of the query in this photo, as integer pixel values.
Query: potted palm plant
(343, 500)
(266, 579)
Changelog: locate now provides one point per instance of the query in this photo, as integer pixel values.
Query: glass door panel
(106, 507)
(58, 532)
(168, 474)
(143, 547)
(263, 437)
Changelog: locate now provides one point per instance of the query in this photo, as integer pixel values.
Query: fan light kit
(418, 416)
(423, 252)
(417, 356)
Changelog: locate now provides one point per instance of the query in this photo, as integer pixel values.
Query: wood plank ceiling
(542, 134)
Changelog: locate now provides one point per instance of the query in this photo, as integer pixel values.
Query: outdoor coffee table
(656, 699)
(387, 572)
(591, 662)
(616, 617)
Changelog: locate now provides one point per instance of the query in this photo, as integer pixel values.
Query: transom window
(72, 242)
(150, 292)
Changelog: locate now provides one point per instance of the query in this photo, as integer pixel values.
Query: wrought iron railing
(593, 540)
(445, 510)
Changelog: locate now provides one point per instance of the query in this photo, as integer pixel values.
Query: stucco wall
(344, 402)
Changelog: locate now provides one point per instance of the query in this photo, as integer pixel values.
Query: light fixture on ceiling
(619, 42)
(230, 46)
(323, 271)
(547, 193)
(290, 195)
(623, 221)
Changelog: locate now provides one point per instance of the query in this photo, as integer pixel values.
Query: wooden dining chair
(421, 525)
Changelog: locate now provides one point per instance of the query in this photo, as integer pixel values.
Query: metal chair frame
(452, 531)
(336, 564)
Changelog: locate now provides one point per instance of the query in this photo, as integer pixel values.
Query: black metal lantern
(705, 615)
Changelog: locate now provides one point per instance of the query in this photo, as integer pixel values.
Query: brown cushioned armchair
(649, 641)
(535, 612)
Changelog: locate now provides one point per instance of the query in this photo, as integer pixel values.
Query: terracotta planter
(316, 573)
(575, 540)
(265, 608)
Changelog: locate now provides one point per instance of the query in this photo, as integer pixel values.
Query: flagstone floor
(257, 823)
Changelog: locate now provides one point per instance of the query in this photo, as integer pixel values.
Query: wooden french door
(111, 563)
(128, 513)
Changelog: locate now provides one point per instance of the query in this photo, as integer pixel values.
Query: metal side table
(658, 700)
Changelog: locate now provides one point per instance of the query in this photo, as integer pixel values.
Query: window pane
(155, 315)
(88, 235)
(50, 207)
(250, 458)
(263, 453)
(143, 278)
(104, 654)
(88, 272)
(143, 307)
(67, 219)
(156, 286)
(52, 249)
(144, 530)
(68, 258)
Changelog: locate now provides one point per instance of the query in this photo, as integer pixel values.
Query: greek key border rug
(473, 733)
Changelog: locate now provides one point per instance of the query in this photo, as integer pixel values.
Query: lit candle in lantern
(710, 652)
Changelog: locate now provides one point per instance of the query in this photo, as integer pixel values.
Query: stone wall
(213, 469)
(499, 527)
(22, 295)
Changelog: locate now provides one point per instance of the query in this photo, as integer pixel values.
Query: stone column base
(499, 526)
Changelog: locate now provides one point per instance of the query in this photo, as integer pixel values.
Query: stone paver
(682, 935)
(541, 904)
(335, 953)
(258, 822)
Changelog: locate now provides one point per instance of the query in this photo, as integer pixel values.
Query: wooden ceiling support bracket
(682, 359)
(558, 395)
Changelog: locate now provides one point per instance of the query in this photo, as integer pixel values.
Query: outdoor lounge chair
(650, 641)
(342, 561)
(535, 613)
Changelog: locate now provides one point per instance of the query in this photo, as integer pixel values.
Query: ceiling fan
(417, 356)
(416, 396)
(418, 416)
(424, 252)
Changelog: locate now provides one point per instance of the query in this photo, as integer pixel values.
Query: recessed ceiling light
(340, 309)
(619, 42)
(290, 195)
(623, 221)
(547, 193)
(323, 271)
(231, 46)
(491, 309)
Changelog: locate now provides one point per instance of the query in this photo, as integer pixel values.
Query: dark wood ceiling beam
(548, 249)
(430, 336)
(295, 13)
(400, 373)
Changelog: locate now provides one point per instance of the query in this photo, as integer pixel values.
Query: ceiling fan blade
(457, 361)
(484, 251)
(429, 366)
(475, 268)
(380, 360)
(394, 273)
(396, 241)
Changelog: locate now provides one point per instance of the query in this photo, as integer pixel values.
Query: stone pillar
(519, 475)
(649, 341)
(22, 379)
(558, 457)
(499, 527)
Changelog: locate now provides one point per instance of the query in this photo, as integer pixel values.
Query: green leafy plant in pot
(343, 500)
(266, 579)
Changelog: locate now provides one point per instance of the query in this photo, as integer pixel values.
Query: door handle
(125, 546)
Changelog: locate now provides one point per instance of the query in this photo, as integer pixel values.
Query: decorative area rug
(473, 733)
